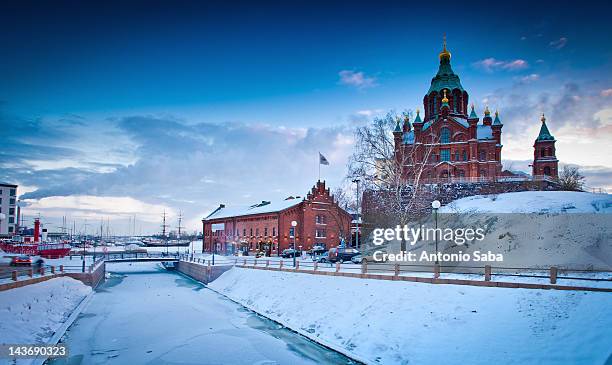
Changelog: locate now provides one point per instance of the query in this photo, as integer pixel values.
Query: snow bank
(533, 202)
(31, 314)
(386, 322)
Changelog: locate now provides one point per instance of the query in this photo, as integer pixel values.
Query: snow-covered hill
(533, 202)
(534, 229)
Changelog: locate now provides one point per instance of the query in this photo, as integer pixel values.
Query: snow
(254, 209)
(533, 202)
(387, 322)
(31, 314)
(531, 229)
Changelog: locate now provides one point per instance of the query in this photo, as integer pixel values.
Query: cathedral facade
(451, 143)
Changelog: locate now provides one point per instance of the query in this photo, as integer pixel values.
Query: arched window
(444, 135)
(543, 152)
(483, 173)
(483, 155)
(547, 170)
(550, 151)
(456, 155)
(464, 155)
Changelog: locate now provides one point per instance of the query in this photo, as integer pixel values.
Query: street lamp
(294, 224)
(436, 205)
(356, 181)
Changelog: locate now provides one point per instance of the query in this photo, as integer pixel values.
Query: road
(145, 315)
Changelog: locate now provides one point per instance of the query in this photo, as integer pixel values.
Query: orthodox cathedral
(451, 142)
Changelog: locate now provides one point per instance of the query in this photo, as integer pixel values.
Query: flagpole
(319, 166)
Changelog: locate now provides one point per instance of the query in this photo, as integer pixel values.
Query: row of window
(11, 201)
(319, 232)
(12, 191)
(319, 219)
(445, 155)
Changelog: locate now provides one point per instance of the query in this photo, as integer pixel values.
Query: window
(461, 173)
(543, 152)
(292, 232)
(244, 232)
(456, 155)
(11, 229)
(273, 231)
(13, 192)
(257, 232)
(483, 173)
(12, 219)
(483, 156)
(546, 172)
(444, 135)
(266, 231)
(320, 219)
(464, 155)
(445, 155)
(320, 233)
(12, 201)
(11, 211)
(251, 231)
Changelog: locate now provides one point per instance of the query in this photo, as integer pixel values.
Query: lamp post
(436, 205)
(356, 181)
(294, 224)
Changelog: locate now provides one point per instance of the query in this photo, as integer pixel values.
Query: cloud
(187, 165)
(492, 64)
(606, 92)
(356, 79)
(529, 78)
(559, 43)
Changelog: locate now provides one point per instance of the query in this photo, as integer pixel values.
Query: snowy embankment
(31, 314)
(533, 202)
(386, 322)
(532, 229)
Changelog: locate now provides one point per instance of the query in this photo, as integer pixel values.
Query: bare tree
(571, 179)
(392, 174)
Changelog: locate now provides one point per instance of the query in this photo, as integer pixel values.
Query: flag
(323, 160)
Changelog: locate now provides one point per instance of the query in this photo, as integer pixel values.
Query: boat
(48, 250)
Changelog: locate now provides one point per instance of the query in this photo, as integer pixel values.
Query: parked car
(322, 258)
(260, 254)
(21, 260)
(357, 259)
(342, 254)
(290, 252)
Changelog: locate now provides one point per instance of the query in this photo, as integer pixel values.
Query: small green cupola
(497, 121)
(473, 113)
(544, 132)
(398, 128)
(417, 120)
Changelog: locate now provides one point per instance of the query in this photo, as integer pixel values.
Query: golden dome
(487, 112)
(445, 99)
(445, 53)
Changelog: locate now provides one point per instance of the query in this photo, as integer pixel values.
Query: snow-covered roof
(263, 207)
(484, 132)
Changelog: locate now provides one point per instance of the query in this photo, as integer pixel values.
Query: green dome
(445, 78)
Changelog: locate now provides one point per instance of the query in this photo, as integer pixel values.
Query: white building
(8, 207)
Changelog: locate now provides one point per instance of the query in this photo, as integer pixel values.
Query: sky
(110, 110)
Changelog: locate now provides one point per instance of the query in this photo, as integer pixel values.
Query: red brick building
(455, 145)
(266, 226)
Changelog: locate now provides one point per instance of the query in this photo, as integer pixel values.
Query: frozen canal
(145, 315)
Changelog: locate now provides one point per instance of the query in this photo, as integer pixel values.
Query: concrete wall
(201, 273)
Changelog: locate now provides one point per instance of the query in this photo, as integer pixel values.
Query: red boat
(46, 250)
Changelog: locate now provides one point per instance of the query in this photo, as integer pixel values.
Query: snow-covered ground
(533, 202)
(386, 322)
(31, 314)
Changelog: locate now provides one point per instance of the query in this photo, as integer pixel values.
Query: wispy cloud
(491, 64)
(529, 78)
(606, 92)
(356, 79)
(559, 43)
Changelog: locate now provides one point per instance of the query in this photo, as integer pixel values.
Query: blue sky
(183, 105)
